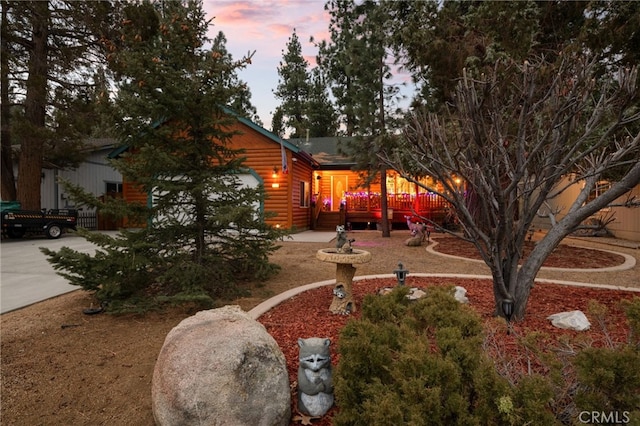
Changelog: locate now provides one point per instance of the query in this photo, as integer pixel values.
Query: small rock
(572, 320)
(415, 294)
(461, 294)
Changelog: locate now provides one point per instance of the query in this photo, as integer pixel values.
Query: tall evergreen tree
(241, 100)
(359, 59)
(321, 114)
(294, 88)
(51, 55)
(204, 231)
(439, 40)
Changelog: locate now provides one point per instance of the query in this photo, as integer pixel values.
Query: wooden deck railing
(362, 201)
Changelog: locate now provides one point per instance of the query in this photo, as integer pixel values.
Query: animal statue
(343, 244)
(418, 229)
(341, 237)
(315, 381)
(413, 241)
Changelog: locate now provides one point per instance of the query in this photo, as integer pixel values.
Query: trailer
(52, 223)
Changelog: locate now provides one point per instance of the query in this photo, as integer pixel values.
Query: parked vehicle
(16, 222)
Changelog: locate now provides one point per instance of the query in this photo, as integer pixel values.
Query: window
(600, 188)
(305, 194)
(113, 187)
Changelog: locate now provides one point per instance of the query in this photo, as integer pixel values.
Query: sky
(265, 26)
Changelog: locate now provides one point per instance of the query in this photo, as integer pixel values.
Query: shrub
(422, 363)
(609, 378)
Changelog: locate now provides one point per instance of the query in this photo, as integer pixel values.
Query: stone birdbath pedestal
(343, 302)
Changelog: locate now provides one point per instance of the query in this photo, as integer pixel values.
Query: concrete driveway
(25, 275)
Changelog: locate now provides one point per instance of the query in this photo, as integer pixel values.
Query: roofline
(275, 138)
(291, 147)
(336, 166)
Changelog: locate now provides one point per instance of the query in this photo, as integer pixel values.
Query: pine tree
(321, 115)
(358, 61)
(204, 232)
(294, 88)
(50, 55)
(240, 101)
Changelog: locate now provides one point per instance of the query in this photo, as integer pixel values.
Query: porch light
(274, 175)
(401, 273)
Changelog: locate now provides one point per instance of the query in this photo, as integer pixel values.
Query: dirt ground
(60, 366)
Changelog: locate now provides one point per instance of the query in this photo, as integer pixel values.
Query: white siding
(92, 175)
(627, 220)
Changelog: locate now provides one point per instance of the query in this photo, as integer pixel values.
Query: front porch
(362, 209)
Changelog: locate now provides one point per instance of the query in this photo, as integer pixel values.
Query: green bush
(421, 363)
(609, 377)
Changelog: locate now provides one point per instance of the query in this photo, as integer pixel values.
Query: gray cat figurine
(315, 382)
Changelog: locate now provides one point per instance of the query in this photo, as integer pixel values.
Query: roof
(96, 144)
(325, 150)
(275, 138)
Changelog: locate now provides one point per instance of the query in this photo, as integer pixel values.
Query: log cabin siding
(301, 215)
(132, 193)
(263, 156)
(262, 152)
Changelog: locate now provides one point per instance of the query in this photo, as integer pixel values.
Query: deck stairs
(327, 221)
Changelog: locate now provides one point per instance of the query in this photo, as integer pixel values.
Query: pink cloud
(239, 12)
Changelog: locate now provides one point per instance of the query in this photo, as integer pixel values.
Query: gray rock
(461, 294)
(572, 320)
(220, 367)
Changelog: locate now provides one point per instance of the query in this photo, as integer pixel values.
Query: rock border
(271, 303)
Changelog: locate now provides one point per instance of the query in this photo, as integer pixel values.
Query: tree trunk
(8, 187)
(32, 143)
(386, 232)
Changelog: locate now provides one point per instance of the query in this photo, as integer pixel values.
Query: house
(284, 169)
(343, 196)
(94, 174)
(624, 222)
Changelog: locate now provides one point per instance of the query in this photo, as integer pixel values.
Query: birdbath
(343, 302)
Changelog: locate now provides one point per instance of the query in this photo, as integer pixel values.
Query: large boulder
(220, 367)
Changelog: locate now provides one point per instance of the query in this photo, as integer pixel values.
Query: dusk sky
(266, 26)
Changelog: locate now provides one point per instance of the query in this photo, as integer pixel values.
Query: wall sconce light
(274, 175)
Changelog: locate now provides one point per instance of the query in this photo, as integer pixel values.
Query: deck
(364, 208)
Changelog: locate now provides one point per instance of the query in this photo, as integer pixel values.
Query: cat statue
(315, 383)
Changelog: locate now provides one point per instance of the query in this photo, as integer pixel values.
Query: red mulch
(307, 315)
(564, 257)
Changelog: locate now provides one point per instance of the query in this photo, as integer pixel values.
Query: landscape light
(401, 273)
